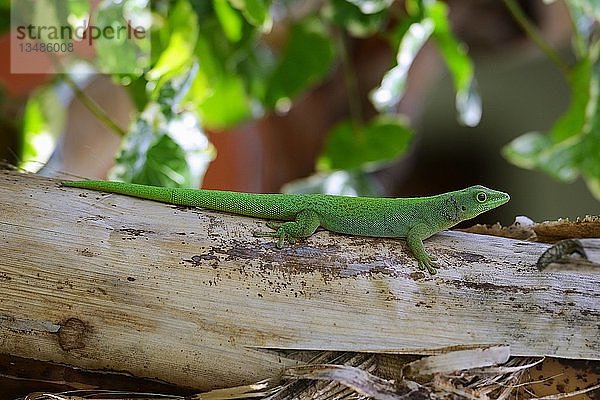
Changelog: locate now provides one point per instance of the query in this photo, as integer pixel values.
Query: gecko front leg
(415, 238)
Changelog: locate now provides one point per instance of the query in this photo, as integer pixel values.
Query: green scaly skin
(415, 218)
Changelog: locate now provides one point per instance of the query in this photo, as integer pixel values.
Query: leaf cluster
(209, 64)
(214, 64)
(571, 148)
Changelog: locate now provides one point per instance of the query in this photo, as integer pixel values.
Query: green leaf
(525, 149)
(572, 121)
(367, 147)
(589, 149)
(590, 164)
(591, 7)
(211, 52)
(138, 92)
(414, 8)
(585, 15)
(468, 101)
(536, 151)
(48, 13)
(122, 53)
(225, 104)
(307, 58)
(389, 93)
(229, 19)
(371, 6)
(572, 147)
(559, 161)
(431, 20)
(5, 16)
(150, 157)
(256, 12)
(163, 152)
(78, 9)
(43, 123)
(350, 17)
(172, 92)
(256, 69)
(183, 32)
(229, 71)
(341, 183)
(166, 145)
(468, 105)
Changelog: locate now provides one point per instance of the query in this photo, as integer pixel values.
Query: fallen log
(189, 296)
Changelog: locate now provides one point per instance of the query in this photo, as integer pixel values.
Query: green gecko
(415, 218)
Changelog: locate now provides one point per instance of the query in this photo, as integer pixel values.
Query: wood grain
(190, 297)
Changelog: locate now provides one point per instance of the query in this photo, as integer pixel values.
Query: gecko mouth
(501, 199)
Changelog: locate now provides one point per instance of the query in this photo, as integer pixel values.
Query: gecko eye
(481, 197)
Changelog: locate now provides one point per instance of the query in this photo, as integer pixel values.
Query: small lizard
(415, 218)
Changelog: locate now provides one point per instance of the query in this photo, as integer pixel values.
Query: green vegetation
(572, 146)
(210, 67)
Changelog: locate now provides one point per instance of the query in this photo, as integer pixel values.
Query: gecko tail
(156, 193)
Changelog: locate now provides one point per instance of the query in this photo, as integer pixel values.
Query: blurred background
(357, 97)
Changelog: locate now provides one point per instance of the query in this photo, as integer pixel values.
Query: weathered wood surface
(191, 297)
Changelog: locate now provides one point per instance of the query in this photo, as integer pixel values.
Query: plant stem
(93, 107)
(535, 36)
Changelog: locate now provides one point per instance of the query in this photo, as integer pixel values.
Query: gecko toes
(429, 264)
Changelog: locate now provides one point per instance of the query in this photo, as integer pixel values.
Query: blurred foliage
(238, 76)
(368, 145)
(211, 64)
(572, 146)
(166, 142)
(4, 15)
(43, 124)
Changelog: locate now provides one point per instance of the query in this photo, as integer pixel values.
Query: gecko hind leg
(274, 224)
(306, 223)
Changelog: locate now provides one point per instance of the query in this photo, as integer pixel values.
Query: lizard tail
(130, 189)
(272, 206)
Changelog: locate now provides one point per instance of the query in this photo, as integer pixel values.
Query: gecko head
(475, 200)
